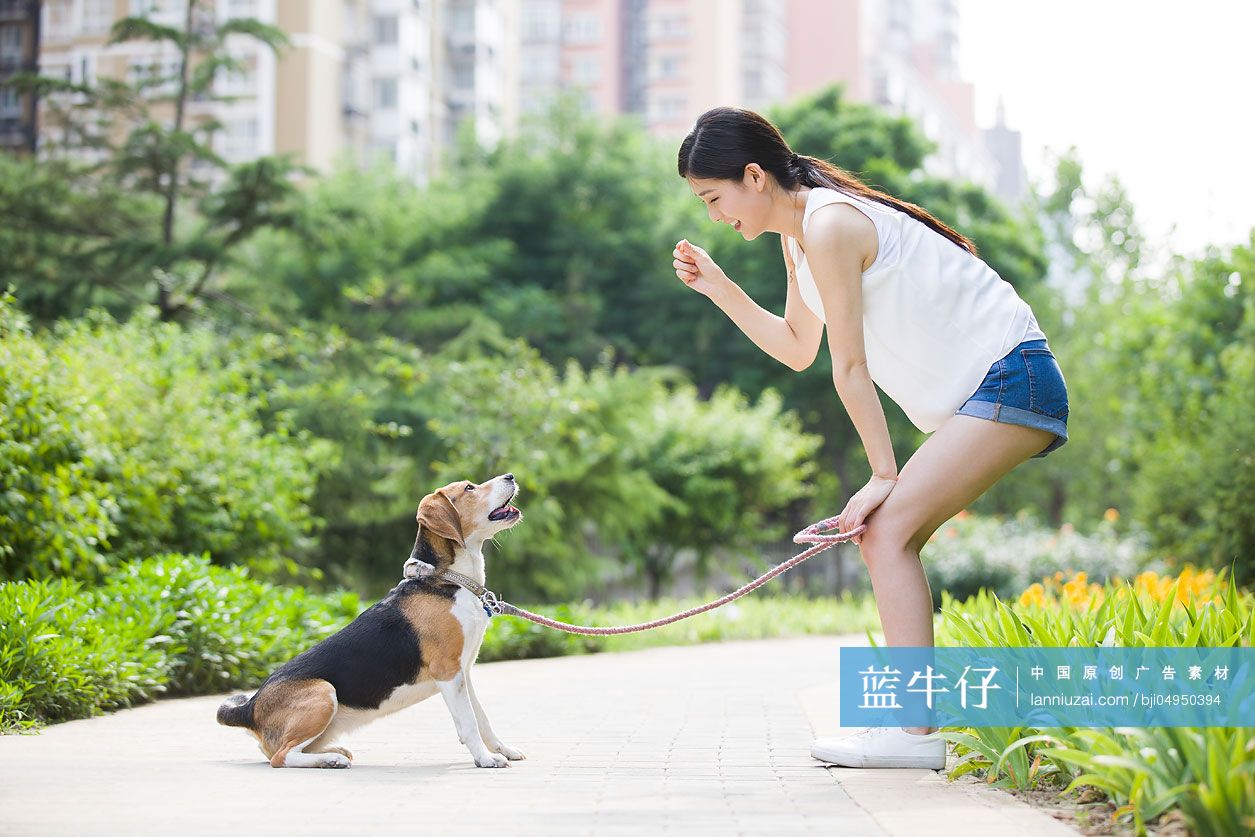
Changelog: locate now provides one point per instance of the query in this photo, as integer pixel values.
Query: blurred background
(279, 268)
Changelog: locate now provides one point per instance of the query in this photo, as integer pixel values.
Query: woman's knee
(886, 536)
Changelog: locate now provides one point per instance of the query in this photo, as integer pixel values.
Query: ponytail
(727, 139)
(815, 172)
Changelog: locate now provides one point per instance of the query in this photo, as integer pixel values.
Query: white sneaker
(883, 747)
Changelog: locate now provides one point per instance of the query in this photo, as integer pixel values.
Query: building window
(668, 66)
(167, 8)
(587, 69)
(57, 24)
(97, 16)
(239, 141)
(464, 77)
(582, 29)
(10, 102)
(10, 44)
(156, 75)
(237, 82)
(385, 93)
(386, 29)
(672, 107)
(539, 24)
(242, 8)
(671, 27)
(462, 20)
(61, 72)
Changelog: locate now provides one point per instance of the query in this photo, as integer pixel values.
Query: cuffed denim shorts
(1024, 387)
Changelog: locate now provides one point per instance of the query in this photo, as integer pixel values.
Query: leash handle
(810, 534)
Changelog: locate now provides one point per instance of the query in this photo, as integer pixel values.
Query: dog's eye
(470, 487)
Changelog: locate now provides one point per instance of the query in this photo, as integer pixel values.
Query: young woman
(910, 307)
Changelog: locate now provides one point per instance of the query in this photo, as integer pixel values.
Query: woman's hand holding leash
(868, 498)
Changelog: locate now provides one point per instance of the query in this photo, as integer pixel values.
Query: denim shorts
(1024, 387)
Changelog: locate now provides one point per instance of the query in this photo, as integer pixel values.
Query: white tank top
(935, 317)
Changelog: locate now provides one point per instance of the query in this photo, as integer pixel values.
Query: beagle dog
(419, 640)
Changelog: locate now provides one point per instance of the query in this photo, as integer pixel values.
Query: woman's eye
(713, 200)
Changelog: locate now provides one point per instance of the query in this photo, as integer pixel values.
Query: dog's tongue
(505, 510)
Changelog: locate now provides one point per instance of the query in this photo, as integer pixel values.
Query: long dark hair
(726, 139)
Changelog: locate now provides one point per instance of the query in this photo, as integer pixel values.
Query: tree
(115, 222)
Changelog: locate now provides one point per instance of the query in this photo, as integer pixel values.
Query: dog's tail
(236, 711)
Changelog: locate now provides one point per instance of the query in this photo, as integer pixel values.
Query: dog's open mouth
(505, 510)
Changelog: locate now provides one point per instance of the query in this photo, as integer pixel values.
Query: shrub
(121, 441)
(172, 624)
(177, 625)
(1206, 773)
(970, 552)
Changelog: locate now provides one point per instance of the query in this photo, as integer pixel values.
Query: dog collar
(486, 597)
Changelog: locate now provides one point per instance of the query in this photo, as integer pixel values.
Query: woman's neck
(792, 210)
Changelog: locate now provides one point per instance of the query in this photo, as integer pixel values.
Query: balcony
(11, 10)
(10, 64)
(14, 133)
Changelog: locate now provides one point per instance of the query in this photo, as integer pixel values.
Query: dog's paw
(335, 760)
(491, 760)
(509, 752)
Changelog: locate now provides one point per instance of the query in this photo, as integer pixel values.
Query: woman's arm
(769, 332)
(780, 337)
(836, 245)
(808, 328)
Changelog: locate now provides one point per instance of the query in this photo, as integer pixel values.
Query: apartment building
(398, 79)
(360, 78)
(667, 61)
(19, 50)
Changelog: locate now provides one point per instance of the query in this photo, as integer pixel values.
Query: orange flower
(1034, 595)
(1111, 515)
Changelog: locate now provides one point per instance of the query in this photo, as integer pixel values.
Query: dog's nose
(510, 477)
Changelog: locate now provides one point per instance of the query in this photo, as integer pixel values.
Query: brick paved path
(705, 739)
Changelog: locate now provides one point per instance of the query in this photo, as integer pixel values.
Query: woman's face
(744, 206)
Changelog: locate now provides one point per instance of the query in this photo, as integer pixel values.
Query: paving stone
(692, 740)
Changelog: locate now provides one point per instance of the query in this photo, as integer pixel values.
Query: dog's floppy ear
(437, 513)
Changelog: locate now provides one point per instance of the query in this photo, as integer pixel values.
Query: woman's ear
(755, 176)
(437, 513)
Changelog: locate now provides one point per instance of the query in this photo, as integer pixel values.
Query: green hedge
(168, 625)
(120, 441)
(177, 625)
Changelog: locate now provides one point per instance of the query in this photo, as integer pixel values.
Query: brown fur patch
(292, 711)
(438, 514)
(439, 634)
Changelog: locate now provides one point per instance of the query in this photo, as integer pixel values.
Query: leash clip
(490, 601)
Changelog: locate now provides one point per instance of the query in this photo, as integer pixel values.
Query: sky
(1159, 94)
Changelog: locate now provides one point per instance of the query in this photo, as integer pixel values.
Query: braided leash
(493, 605)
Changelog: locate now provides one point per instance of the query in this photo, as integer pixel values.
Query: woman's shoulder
(844, 225)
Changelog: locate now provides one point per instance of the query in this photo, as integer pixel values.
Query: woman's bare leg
(954, 466)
